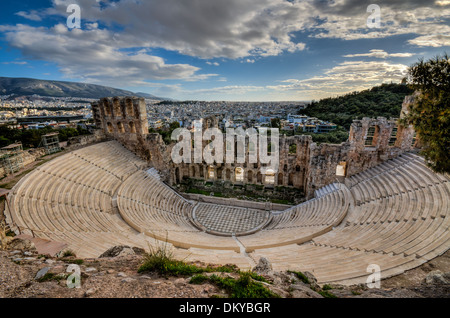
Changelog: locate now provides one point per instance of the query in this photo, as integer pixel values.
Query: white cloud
(437, 40)
(93, 55)
(116, 42)
(443, 2)
(226, 90)
(202, 28)
(16, 63)
(242, 28)
(32, 15)
(344, 78)
(381, 54)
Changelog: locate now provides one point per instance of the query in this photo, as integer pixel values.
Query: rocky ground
(25, 274)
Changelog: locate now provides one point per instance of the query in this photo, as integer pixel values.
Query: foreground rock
(121, 251)
(22, 245)
(263, 267)
(437, 277)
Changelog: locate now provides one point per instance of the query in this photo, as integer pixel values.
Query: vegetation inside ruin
(31, 138)
(248, 192)
(380, 101)
(166, 133)
(338, 136)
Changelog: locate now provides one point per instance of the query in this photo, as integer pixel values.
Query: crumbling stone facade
(304, 165)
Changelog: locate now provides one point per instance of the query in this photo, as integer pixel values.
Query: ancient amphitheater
(395, 215)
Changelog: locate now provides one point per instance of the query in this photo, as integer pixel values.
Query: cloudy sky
(223, 49)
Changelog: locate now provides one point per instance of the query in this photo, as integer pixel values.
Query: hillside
(380, 101)
(28, 86)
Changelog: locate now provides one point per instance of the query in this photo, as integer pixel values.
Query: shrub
(161, 260)
(243, 287)
(68, 253)
(198, 279)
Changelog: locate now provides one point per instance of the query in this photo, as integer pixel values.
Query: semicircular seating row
(151, 207)
(400, 218)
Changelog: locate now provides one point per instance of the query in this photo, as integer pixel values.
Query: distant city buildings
(34, 112)
(309, 124)
(235, 114)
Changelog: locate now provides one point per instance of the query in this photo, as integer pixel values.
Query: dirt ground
(118, 278)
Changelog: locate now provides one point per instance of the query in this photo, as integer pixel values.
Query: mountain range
(29, 86)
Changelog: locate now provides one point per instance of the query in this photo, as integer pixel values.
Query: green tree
(380, 101)
(275, 123)
(430, 114)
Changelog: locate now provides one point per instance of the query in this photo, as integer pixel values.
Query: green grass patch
(52, 277)
(248, 285)
(168, 267)
(75, 261)
(222, 269)
(327, 287)
(326, 294)
(279, 201)
(257, 277)
(243, 287)
(161, 260)
(301, 276)
(198, 191)
(68, 253)
(198, 279)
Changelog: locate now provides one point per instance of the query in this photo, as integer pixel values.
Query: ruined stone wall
(98, 135)
(292, 171)
(28, 157)
(304, 165)
(119, 117)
